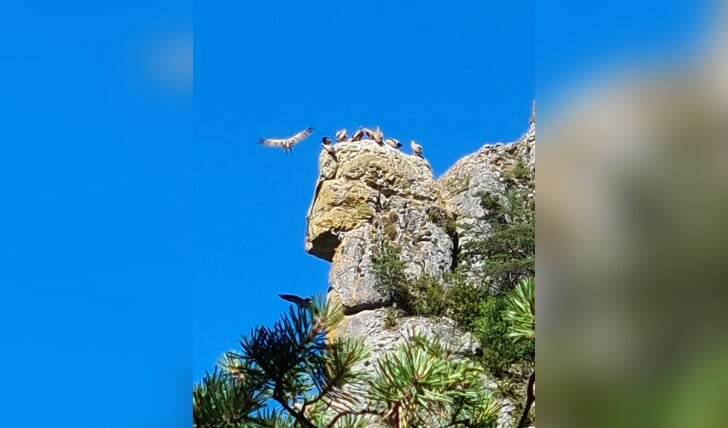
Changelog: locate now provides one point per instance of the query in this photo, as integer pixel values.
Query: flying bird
(358, 135)
(287, 143)
(416, 149)
(328, 146)
(393, 142)
(299, 301)
(341, 135)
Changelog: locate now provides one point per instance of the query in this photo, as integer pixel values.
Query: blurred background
(632, 238)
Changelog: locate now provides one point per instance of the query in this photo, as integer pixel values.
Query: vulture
(393, 142)
(416, 149)
(358, 135)
(299, 301)
(379, 136)
(287, 143)
(328, 146)
(375, 135)
(341, 135)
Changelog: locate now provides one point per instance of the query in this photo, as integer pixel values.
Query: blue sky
(451, 77)
(143, 230)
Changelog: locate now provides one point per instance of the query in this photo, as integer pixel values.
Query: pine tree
(295, 375)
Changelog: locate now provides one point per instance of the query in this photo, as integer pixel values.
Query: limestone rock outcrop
(487, 171)
(367, 194)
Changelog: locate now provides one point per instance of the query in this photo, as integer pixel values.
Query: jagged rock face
(366, 194)
(485, 171)
(372, 325)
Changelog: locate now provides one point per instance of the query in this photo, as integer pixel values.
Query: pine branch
(334, 375)
(363, 412)
(220, 400)
(300, 418)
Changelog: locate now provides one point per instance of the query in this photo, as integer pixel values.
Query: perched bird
(299, 301)
(358, 135)
(341, 135)
(377, 135)
(416, 149)
(328, 146)
(287, 143)
(393, 142)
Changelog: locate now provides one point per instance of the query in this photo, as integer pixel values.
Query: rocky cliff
(368, 194)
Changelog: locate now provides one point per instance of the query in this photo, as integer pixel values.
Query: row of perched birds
(376, 135)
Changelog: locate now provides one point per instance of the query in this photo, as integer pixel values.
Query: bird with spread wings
(287, 143)
(300, 301)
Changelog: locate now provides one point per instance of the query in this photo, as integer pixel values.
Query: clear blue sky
(451, 77)
(140, 238)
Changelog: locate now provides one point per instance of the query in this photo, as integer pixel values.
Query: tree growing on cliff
(293, 375)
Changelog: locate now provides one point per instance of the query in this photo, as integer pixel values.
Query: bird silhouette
(299, 301)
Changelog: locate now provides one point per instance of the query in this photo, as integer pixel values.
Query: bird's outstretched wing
(287, 142)
(300, 301)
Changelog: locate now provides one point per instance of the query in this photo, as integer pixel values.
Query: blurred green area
(632, 241)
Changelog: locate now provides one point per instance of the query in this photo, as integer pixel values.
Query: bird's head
(326, 140)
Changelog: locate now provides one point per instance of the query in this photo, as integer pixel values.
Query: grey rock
(371, 325)
(367, 194)
(364, 195)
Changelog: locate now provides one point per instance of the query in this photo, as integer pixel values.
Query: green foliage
(521, 311)
(492, 329)
(508, 250)
(420, 384)
(291, 364)
(390, 320)
(518, 172)
(493, 205)
(389, 270)
(222, 399)
(442, 219)
(450, 296)
(289, 375)
(427, 296)
(463, 299)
